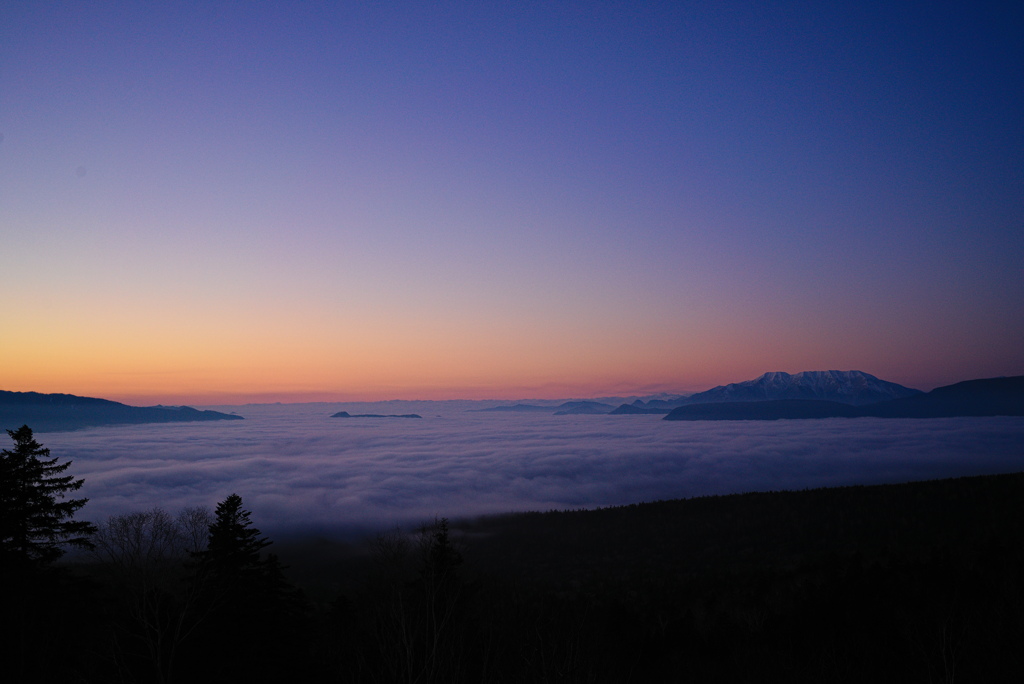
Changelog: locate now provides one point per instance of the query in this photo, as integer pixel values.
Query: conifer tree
(232, 555)
(250, 612)
(35, 517)
(36, 596)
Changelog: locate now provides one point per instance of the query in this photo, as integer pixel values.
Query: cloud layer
(298, 469)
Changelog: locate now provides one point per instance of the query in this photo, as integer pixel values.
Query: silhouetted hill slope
(687, 537)
(848, 387)
(987, 397)
(885, 583)
(57, 412)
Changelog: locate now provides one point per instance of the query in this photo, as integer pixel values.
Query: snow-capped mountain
(849, 387)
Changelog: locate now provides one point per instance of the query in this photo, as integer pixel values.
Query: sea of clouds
(299, 470)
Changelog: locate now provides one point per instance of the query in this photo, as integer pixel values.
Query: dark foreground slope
(912, 583)
(986, 397)
(56, 412)
(756, 531)
(918, 582)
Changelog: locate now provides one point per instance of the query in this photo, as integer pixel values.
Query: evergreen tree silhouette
(35, 518)
(250, 613)
(36, 597)
(233, 548)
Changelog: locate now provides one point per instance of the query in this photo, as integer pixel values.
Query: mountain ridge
(981, 397)
(854, 388)
(62, 412)
(848, 387)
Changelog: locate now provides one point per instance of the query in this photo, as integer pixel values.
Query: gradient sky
(225, 202)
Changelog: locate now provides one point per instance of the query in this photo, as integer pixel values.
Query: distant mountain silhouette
(518, 408)
(652, 406)
(346, 414)
(986, 397)
(637, 408)
(565, 409)
(570, 408)
(668, 404)
(59, 412)
(848, 387)
(855, 388)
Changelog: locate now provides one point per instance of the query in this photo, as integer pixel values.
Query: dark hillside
(986, 397)
(772, 530)
(912, 583)
(57, 412)
(916, 582)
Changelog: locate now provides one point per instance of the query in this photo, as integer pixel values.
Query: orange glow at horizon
(382, 376)
(207, 357)
(462, 372)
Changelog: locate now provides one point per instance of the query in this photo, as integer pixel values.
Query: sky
(214, 203)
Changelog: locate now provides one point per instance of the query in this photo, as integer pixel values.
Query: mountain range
(772, 396)
(984, 397)
(848, 387)
(565, 409)
(59, 412)
(809, 394)
(855, 388)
